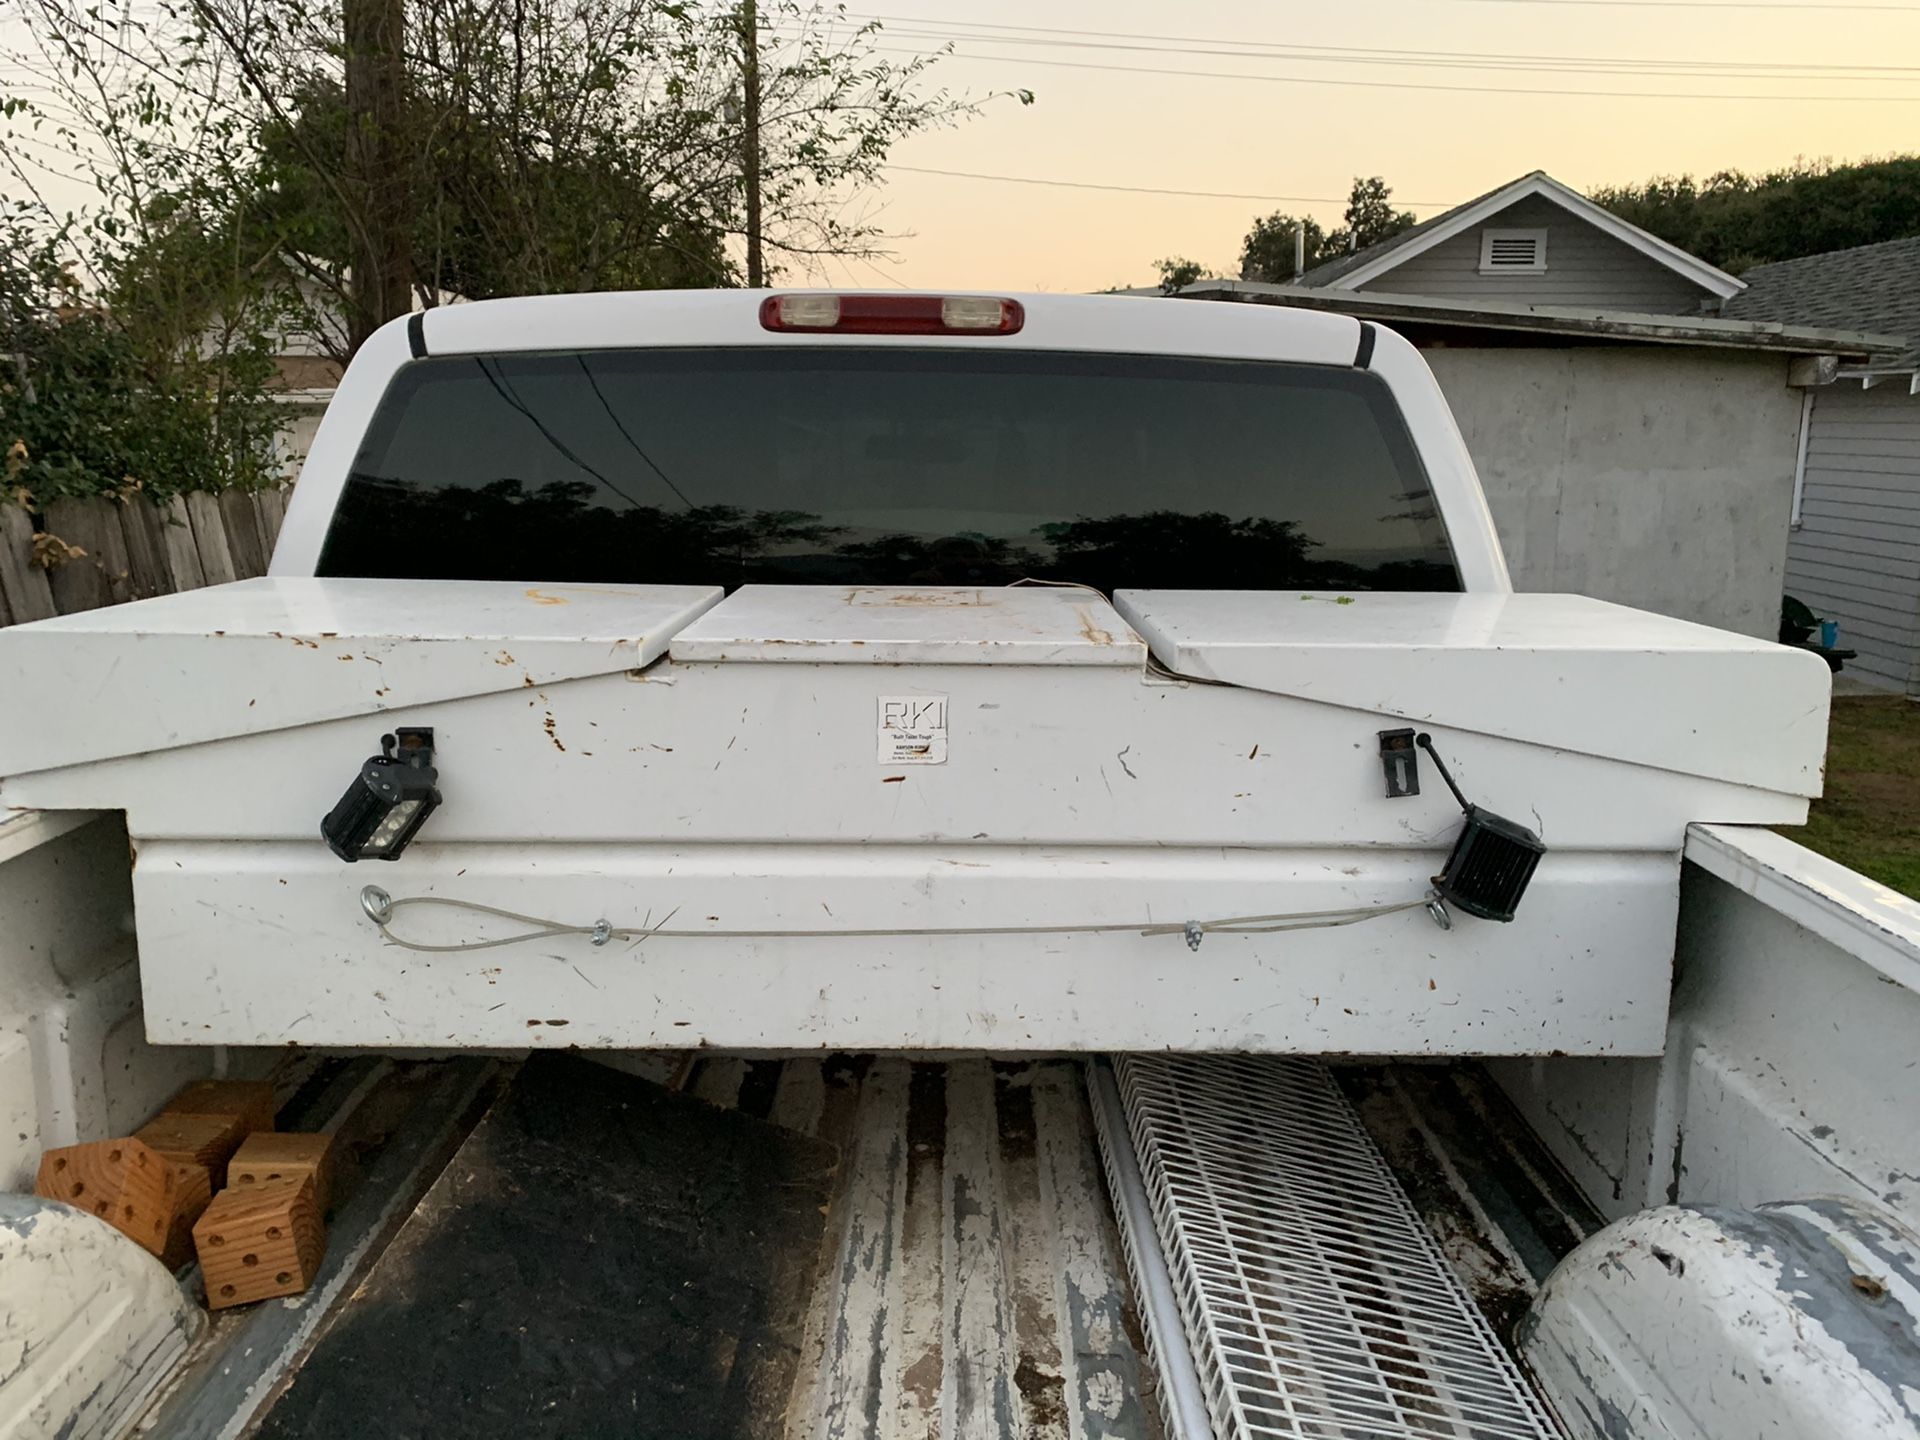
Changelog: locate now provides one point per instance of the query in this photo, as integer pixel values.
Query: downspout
(1800, 456)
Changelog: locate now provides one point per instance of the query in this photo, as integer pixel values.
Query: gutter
(1906, 368)
(1695, 330)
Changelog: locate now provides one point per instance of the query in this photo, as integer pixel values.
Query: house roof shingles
(1870, 287)
(1321, 275)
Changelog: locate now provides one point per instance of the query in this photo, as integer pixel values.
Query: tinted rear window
(911, 467)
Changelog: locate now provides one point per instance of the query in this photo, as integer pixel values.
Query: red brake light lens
(824, 313)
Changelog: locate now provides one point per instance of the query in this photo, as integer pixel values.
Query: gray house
(1636, 444)
(1533, 241)
(1854, 551)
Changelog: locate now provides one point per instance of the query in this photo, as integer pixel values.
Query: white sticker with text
(913, 729)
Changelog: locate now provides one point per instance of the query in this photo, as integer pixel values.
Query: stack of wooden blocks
(209, 1176)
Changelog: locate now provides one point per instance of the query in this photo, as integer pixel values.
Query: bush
(87, 407)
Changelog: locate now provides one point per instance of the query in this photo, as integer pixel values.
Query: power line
(1709, 5)
(1557, 91)
(1884, 75)
(1152, 190)
(1365, 55)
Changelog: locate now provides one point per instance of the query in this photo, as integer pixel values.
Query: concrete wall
(1659, 477)
(1585, 266)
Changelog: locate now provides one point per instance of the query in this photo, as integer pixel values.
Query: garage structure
(1640, 458)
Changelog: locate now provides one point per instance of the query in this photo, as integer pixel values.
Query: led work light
(1492, 861)
(387, 802)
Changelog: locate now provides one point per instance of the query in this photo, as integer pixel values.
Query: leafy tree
(520, 145)
(1369, 218)
(91, 404)
(241, 207)
(483, 221)
(1177, 272)
(140, 345)
(1268, 251)
(1735, 220)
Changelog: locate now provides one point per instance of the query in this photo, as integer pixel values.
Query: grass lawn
(1869, 819)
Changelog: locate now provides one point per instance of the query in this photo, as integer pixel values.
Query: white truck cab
(902, 420)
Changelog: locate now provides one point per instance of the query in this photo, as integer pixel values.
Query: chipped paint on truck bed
(974, 1285)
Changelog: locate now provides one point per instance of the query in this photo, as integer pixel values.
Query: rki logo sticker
(913, 730)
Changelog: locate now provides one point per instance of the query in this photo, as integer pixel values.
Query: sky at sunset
(1297, 99)
(1287, 137)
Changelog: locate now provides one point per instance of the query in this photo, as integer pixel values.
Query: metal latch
(1401, 762)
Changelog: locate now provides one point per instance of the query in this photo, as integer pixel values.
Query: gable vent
(1513, 252)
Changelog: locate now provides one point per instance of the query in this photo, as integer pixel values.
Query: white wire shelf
(1316, 1304)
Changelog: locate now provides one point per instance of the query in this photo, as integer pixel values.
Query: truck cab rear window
(823, 465)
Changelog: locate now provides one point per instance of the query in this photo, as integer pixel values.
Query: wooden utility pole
(376, 77)
(750, 137)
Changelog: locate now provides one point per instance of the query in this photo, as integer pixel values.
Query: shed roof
(1869, 287)
(1362, 266)
(1617, 326)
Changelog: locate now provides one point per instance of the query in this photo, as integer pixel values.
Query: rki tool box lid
(260, 655)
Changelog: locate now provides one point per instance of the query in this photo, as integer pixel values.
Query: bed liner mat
(601, 1255)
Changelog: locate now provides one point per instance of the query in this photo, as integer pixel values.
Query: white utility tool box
(1001, 818)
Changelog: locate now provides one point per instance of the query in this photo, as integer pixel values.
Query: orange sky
(1285, 136)
(1258, 137)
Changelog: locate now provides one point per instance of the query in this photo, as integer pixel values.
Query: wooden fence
(102, 551)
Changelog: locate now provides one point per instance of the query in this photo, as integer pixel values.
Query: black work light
(1493, 859)
(388, 801)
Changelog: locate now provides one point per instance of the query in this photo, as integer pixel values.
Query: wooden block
(259, 1241)
(123, 1182)
(251, 1099)
(267, 1156)
(193, 1192)
(189, 1139)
